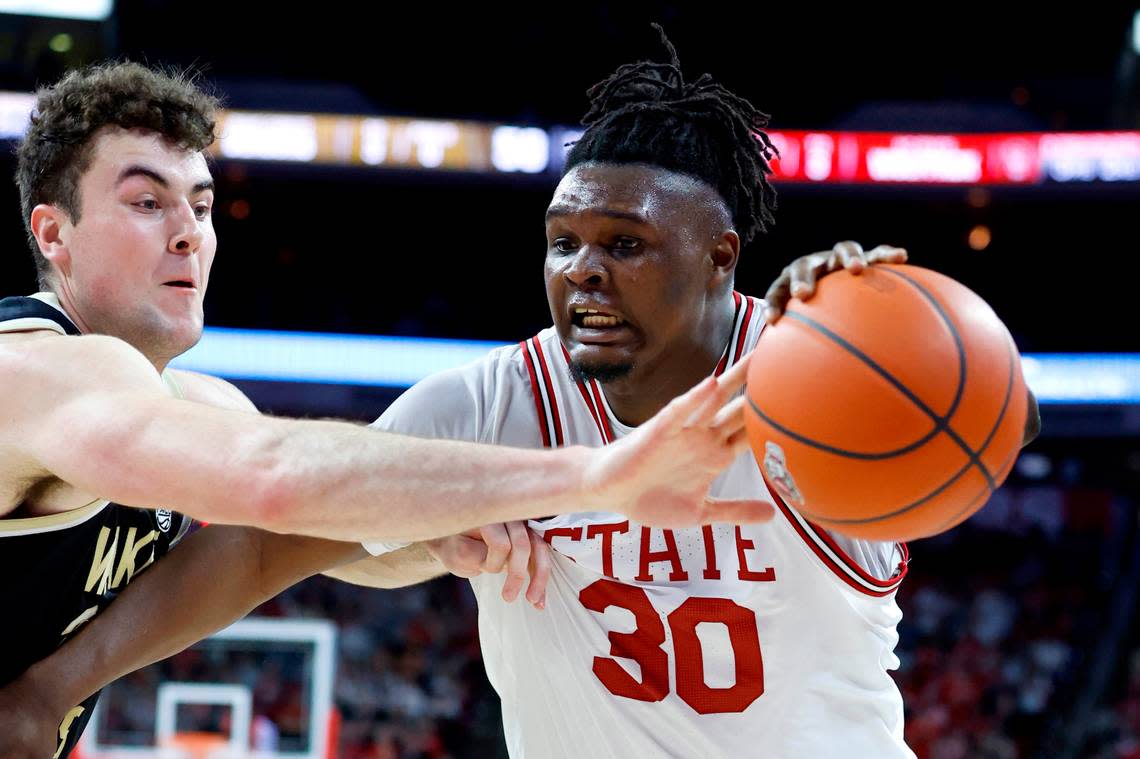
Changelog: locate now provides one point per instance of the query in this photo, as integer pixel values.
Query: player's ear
(724, 255)
(50, 226)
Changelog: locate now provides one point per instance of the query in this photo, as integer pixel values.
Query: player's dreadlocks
(645, 112)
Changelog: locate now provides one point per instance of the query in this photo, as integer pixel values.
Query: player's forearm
(398, 569)
(212, 579)
(376, 485)
(328, 479)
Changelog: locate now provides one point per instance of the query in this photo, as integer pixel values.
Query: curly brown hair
(57, 149)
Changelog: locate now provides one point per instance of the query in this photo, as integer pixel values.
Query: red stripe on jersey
(893, 582)
(607, 431)
(888, 586)
(594, 412)
(549, 389)
(744, 329)
(720, 367)
(537, 394)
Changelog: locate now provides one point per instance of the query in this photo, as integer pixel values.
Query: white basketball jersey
(769, 640)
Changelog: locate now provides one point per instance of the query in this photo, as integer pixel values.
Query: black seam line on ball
(945, 317)
(986, 491)
(981, 496)
(1008, 460)
(941, 424)
(842, 451)
(901, 510)
(990, 482)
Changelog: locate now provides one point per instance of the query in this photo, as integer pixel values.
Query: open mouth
(180, 283)
(591, 318)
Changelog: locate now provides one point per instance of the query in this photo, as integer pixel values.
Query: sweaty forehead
(655, 194)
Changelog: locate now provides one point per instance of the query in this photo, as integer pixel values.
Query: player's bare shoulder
(47, 378)
(42, 365)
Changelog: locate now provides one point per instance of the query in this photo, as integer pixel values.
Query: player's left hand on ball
(798, 278)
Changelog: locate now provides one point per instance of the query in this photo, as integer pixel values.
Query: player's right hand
(661, 473)
(798, 279)
(511, 547)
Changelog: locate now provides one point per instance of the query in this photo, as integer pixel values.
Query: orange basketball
(889, 406)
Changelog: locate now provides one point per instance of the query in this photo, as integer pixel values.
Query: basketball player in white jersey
(100, 443)
(722, 641)
(773, 640)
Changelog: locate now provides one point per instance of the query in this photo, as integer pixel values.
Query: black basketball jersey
(62, 569)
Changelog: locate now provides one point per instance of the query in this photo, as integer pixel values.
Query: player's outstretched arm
(111, 431)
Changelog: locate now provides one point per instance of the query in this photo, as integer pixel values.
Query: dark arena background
(382, 176)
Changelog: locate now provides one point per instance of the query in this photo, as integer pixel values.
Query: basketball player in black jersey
(117, 195)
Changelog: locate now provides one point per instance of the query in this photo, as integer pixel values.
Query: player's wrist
(562, 485)
(587, 491)
(43, 693)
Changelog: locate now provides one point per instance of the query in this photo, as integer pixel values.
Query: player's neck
(637, 397)
(67, 303)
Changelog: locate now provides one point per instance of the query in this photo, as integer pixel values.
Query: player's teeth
(600, 321)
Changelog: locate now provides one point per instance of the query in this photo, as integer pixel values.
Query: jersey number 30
(645, 646)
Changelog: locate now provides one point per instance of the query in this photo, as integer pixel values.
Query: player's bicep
(211, 463)
(58, 392)
(114, 433)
